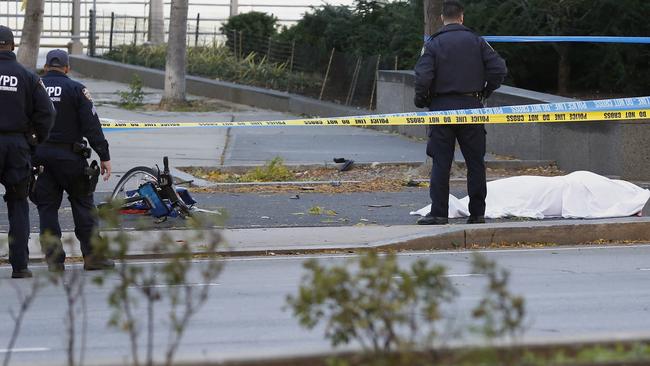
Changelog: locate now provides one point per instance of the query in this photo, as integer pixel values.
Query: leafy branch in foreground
(26, 296)
(181, 281)
(394, 313)
(380, 306)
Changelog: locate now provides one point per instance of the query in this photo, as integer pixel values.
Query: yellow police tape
(397, 120)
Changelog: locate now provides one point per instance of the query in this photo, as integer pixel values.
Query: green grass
(218, 62)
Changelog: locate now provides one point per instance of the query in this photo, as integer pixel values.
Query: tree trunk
(432, 12)
(432, 22)
(563, 69)
(156, 22)
(30, 39)
(176, 55)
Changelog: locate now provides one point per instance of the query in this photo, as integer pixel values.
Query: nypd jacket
(455, 60)
(76, 116)
(24, 104)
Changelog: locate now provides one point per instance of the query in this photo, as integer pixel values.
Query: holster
(82, 149)
(36, 171)
(85, 184)
(92, 172)
(32, 141)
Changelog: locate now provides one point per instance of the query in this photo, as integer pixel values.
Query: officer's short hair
(452, 9)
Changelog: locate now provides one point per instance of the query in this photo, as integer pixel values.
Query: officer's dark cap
(57, 58)
(6, 35)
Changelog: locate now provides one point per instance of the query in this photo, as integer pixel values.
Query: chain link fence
(344, 78)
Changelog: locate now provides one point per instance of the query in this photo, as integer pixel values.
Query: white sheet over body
(576, 195)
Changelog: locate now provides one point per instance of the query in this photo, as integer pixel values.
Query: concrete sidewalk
(272, 241)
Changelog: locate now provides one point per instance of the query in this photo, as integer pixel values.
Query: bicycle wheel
(132, 180)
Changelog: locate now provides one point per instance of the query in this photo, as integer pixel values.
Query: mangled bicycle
(147, 191)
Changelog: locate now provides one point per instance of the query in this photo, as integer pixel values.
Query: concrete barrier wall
(232, 92)
(609, 148)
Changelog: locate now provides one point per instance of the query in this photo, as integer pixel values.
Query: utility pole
(75, 47)
(156, 31)
(234, 7)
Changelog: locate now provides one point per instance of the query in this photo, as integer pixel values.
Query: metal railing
(129, 19)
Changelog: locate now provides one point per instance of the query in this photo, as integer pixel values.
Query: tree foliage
(370, 28)
(395, 29)
(254, 23)
(398, 312)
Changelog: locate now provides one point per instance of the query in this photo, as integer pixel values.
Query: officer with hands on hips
(457, 70)
(63, 157)
(26, 118)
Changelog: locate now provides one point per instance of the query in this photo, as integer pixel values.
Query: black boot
(97, 264)
(476, 220)
(21, 273)
(432, 220)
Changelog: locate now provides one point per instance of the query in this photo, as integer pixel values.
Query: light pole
(234, 7)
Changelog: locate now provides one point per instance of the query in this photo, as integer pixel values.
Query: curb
(304, 241)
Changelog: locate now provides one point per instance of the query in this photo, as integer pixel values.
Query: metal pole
(241, 44)
(196, 33)
(234, 7)
(374, 83)
(110, 39)
(135, 31)
(75, 46)
(234, 45)
(327, 73)
(353, 83)
(293, 51)
(91, 34)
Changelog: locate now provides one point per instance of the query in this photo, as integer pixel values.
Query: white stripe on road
(644, 269)
(466, 275)
(185, 285)
(18, 350)
(452, 275)
(403, 254)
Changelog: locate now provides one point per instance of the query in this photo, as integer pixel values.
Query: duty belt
(11, 133)
(471, 94)
(60, 145)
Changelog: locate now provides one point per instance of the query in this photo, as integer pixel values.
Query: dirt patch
(197, 105)
(368, 178)
(375, 185)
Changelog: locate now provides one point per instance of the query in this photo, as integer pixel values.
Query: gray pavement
(571, 293)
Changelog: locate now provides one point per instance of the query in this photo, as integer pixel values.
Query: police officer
(63, 157)
(26, 118)
(456, 70)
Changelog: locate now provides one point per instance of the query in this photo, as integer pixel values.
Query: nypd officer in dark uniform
(26, 118)
(456, 70)
(63, 157)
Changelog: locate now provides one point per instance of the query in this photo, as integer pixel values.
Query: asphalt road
(253, 210)
(280, 210)
(570, 292)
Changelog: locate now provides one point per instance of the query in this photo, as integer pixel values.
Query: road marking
(185, 285)
(404, 254)
(18, 350)
(466, 275)
(644, 269)
(452, 275)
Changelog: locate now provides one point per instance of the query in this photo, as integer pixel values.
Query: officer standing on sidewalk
(63, 157)
(26, 118)
(456, 70)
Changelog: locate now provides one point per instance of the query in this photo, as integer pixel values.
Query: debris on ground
(329, 180)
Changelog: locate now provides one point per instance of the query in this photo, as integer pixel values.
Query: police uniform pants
(15, 170)
(63, 171)
(441, 147)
